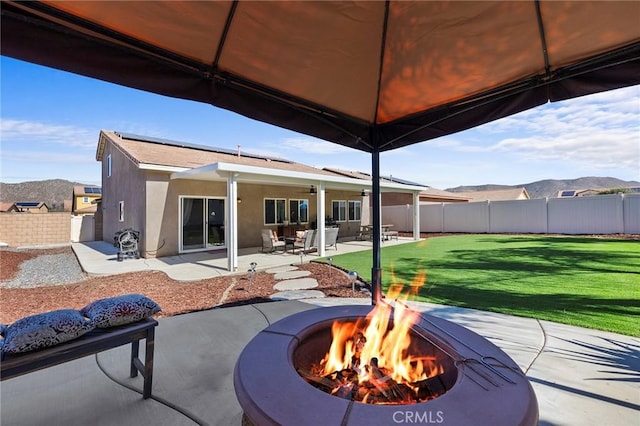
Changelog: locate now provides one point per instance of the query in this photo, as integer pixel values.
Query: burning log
(430, 388)
(351, 369)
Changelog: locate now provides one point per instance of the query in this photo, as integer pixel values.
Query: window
(339, 210)
(299, 211)
(85, 199)
(121, 207)
(355, 208)
(109, 165)
(274, 210)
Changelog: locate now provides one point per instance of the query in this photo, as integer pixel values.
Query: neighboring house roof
(497, 195)
(31, 204)
(568, 193)
(433, 194)
(87, 191)
(8, 207)
(189, 161)
(28, 206)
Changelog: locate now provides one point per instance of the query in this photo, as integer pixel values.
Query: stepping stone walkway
(297, 284)
(293, 285)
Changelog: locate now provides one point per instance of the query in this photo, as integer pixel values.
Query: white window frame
(109, 165)
(121, 211)
(359, 210)
(278, 220)
(299, 201)
(342, 210)
(85, 199)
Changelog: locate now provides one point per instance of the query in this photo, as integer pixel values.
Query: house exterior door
(202, 223)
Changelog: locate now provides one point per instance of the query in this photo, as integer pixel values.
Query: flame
(355, 344)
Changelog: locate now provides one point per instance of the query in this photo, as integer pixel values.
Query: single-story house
(84, 197)
(31, 207)
(185, 198)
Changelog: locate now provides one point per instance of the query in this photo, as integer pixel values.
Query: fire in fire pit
(378, 360)
(449, 374)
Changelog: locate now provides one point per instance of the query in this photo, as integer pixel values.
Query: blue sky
(50, 122)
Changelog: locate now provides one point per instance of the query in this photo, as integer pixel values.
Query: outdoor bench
(97, 340)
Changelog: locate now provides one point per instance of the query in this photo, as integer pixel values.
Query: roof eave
(221, 171)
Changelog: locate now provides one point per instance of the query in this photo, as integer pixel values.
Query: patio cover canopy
(370, 75)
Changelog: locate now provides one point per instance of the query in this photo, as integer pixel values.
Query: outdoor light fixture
(312, 190)
(330, 260)
(252, 272)
(363, 193)
(353, 276)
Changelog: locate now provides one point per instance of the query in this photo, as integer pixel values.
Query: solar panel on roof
(27, 204)
(568, 193)
(402, 181)
(92, 190)
(161, 141)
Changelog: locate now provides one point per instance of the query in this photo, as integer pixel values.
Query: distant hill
(52, 191)
(550, 187)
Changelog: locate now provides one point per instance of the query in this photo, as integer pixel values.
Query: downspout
(231, 228)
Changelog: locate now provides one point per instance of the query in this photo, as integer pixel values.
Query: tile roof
(496, 195)
(153, 151)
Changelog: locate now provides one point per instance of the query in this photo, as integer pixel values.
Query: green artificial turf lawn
(587, 282)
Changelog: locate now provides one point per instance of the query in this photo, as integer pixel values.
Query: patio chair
(307, 243)
(271, 242)
(331, 237)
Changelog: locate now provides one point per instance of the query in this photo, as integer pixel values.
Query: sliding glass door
(202, 223)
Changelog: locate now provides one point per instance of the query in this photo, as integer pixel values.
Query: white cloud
(24, 131)
(308, 145)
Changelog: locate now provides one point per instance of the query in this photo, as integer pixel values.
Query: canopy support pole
(376, 271)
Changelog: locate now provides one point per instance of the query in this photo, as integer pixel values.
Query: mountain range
(550, 187)
(55, 191)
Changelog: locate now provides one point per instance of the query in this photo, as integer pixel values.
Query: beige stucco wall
(127, 183)
(163, 209)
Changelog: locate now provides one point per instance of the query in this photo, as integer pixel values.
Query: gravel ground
(36, 281)
(45, 270)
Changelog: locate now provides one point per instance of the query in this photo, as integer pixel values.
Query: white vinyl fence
(599, 214)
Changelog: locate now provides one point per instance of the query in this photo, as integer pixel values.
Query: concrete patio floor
(580, 376)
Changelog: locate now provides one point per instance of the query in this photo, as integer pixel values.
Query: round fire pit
(480, 384)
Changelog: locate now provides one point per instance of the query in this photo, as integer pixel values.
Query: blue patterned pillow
(3, 328)
(43, 330)
(120, 310)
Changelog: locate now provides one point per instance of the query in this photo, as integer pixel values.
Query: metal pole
(376, 271)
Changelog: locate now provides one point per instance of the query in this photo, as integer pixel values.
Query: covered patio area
(579, 376)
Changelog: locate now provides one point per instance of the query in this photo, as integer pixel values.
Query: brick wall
(25, 229)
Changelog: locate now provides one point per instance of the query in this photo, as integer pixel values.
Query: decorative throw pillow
(120, 310)
(300, 235)
(46, 329)
(3, 328)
